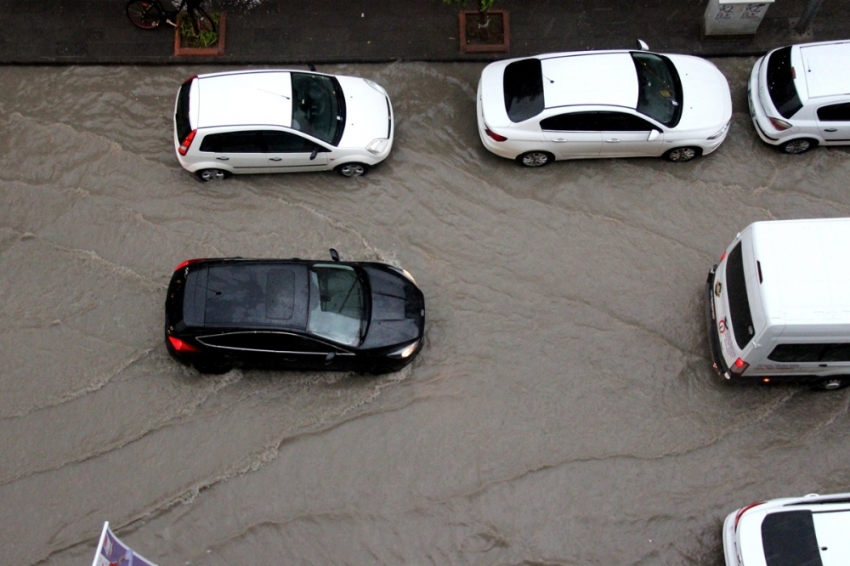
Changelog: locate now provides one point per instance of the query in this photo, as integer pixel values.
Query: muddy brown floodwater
(563, 410)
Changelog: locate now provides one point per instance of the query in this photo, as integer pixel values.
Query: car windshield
(318, 107)
(523, 89)
(337, 304)
(780, 83)
(739, 303)
(789, 539)
(659, 88)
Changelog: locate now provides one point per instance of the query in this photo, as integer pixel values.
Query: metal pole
(808, 16)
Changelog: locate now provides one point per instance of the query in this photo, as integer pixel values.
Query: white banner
(112, 552)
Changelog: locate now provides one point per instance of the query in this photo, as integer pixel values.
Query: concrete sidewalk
(276, 32)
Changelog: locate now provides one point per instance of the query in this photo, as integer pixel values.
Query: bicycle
(149, 14)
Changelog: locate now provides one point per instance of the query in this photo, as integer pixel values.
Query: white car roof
(827, 68)
(590, 78)
(244, 98)
(805, 266)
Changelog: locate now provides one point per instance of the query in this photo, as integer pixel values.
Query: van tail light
(739, 367)
(744, 510)
(494, 135)
(184, 147)
(190, 79)
(187, 262)
(780, 125)
(182, 346)
(722, 256)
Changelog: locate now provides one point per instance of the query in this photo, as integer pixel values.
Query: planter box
(215, 51)
(500, 43)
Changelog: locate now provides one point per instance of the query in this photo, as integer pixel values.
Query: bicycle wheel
(203, 21)
(143, 14)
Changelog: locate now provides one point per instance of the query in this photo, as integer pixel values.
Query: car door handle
(275, 158)
(612, 140)
(223, 158)
(831, 130)
(559, 140)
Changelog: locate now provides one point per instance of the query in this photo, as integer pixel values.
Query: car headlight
(404, 272)
(405, 352)
(377, 145)
(376, 86)
(720, 132)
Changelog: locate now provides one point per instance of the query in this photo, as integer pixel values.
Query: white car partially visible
(813, 530)
(598, 104)
(281, 121)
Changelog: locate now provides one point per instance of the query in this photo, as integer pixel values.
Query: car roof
(245, 98)
(827, 68)
(607, 78)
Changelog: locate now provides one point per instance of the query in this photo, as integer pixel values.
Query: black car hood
(398, 310)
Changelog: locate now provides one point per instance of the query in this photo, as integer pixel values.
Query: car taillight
(494, 135)
(780, 125)
(185, 263)
(738, 367)
(722, 256)
(744, 510)
(181, 346)
(190, 79)
(184, 147)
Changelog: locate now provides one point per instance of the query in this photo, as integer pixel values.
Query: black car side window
(267, 342)
(233, 142)
(834, 113)
(285, 142)
(622, 122)
(572, 122)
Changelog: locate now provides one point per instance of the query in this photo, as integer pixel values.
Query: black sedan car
(293, 314)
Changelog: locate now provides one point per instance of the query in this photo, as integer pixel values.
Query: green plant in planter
(483, 7)
(482, 31)
(204, 38)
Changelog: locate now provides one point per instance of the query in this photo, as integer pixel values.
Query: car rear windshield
(739, 303)
(181, 115)
(318, 106)
(523, 89)
(789, 539)
(659, 88)
(337, 304)
(780, 83)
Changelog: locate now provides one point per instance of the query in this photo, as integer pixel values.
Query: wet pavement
(562, 411)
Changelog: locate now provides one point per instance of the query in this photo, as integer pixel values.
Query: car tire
(535, 158)
(352, 169)
(212, 368)
(207, 175)
(682, 154)
(381, 369)
(833, 383)
(798, 146)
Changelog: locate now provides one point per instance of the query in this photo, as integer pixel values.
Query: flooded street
(562, 412)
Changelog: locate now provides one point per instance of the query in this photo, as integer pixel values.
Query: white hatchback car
(813, 530)
(593, 104)
(800, 96)
(281, 121)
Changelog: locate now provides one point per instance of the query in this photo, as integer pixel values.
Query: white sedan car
(281, 121)
(810, 530)
(594, 104)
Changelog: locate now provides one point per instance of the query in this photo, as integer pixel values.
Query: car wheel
(536, 158)
(795, 147)
(353, 169)
(206, 175)
(681, 154)
(212, 368)
(832, 383)
(381, 370)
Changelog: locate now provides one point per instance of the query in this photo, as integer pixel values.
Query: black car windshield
(659, 88)
(789, 539)
(523, 89)
(337, 304)
(318, 107)
(780, 83)
(739, 302)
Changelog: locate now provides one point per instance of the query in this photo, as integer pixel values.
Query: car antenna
(311, 66)
(334, 255)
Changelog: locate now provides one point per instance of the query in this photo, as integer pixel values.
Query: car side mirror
(330, 357)
(653, 135)
(642, 45)
(334, 255)
(314, 154)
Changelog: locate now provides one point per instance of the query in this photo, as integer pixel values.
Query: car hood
(367, 113)
(398, 310)
(705, 93)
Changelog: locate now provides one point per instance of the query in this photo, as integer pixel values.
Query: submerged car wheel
(681, 154)
(795, 147)
(832, 383)
(211, 368)
(535, 158)
(353, 169)
(207, 175)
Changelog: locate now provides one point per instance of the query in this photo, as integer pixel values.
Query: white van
(778, 304)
